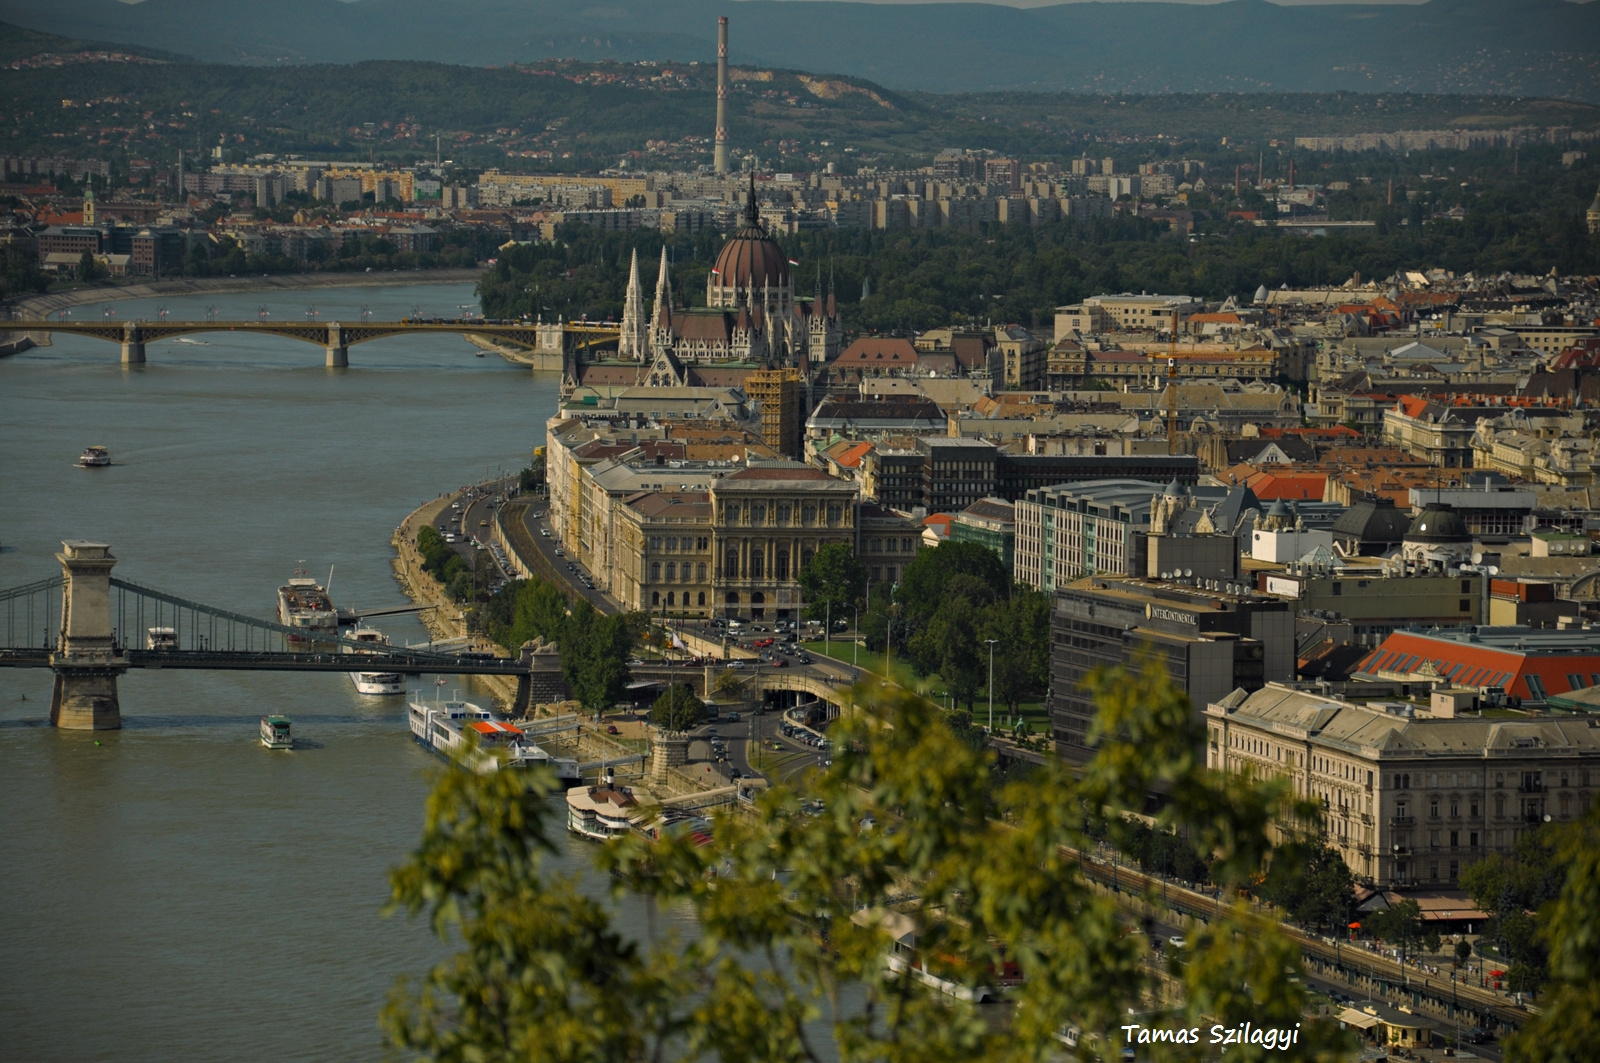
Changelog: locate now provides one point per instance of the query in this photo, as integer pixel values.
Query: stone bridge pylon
(85, 661)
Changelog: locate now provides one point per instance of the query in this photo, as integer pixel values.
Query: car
(713, 733)
(779, 662)
(1479, 1035)
(733, 717)
(559, 553)
(1178, 941)
(803, 658)
(735, 773)
(611, 729)
(757, 627)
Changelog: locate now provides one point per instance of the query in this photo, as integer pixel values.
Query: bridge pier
(132, 344)
(338, 358)
(86, 664)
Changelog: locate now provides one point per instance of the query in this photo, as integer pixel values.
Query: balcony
(1532, 788)
(1402, 821)
(1366, 817)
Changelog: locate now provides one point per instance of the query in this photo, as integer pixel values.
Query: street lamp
(991, 643)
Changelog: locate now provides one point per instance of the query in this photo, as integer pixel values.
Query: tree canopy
(677, 709)
(797, 913)
(833, 581)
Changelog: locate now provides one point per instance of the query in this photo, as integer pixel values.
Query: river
(173, 890)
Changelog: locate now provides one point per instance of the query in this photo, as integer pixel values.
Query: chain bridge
(334, 337)
(89, 628)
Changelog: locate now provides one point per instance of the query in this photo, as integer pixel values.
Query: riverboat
(601, 812)
(373, 682)
(445, 726)
(275, 732)
(95, 457)
(304, 604)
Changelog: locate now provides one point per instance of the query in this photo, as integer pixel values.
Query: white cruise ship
(374, 682)
(443, 726)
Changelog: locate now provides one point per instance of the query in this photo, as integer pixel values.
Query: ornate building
(752, 319)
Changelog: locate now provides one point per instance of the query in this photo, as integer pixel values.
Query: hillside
(571, 115)
(1503, 47)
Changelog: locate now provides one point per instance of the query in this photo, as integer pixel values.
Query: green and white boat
(275, 732)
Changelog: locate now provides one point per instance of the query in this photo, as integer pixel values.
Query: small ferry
(444, 726)
(160, 638)
(374, 682)
(96, 457)
(275, 732)
(303, 603)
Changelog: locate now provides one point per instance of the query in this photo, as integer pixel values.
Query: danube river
(173, 890)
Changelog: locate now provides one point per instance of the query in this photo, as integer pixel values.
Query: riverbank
(35, 307)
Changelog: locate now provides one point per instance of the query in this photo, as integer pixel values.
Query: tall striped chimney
(720, 159)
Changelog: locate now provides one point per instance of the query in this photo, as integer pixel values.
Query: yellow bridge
(334, 337)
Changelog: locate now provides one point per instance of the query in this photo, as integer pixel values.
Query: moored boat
(445, 727)
(95, 457)
(601, 812)
(304, 604)
(374, 682)
(275, 732)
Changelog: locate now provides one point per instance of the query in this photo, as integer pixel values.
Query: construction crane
(1172, 386)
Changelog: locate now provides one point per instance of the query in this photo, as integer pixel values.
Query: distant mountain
(1503, 47)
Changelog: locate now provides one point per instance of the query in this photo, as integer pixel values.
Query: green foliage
(1567, 1026)
(832, 581)
(441, 561)
(1509, 887)
(678, 709)
(1314, 885)
(1399, 924)
(594, 655)
(1463, 951)
(19, 271)
(791, 909)
(727, 682)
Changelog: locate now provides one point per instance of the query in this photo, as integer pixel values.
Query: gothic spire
(634, 342)
(663, 285)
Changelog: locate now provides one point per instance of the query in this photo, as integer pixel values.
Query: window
(1338, 589)
(701, 598)
(1535, 687)
(1465, 606)
(1472, 809)
(670, 599)
(655, 597)
(700, 572)
(1455, 807)
(1574, 682)
(1455, 840)
(758, 560)
(1455, 869)
(1472, 839)
(1433, 807)
(672, 572)
(732, 564)
(1466, 586)
(655, 571)
(1499, 806)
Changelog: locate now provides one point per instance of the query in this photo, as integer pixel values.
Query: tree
(726, 683)
(594, 656)
(88, 268)
(790, 908)
(1020, 626)
(1567, 1025)
(834, 579)
(1315, 886)
(1463, 952)
(677, 709)
(1400, 924)
(1508, 887)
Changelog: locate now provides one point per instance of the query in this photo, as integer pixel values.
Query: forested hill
(568, 115)
(1509, 47)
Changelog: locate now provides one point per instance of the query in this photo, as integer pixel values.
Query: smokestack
(1291, 175)
(720, 159)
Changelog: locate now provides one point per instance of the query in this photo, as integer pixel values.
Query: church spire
(634, 342)
(663, 286)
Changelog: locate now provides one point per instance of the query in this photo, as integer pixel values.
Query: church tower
(1593, 217)
(634, 343)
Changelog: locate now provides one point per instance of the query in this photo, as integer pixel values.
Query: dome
(751, 258)
(1438, 523)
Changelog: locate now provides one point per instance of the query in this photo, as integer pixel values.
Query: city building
(1410, 797)
(955, 472)
(989, 522)
(1377, 600)
(1209, 641)
(1523, 663)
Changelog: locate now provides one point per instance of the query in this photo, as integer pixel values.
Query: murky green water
(177, 892)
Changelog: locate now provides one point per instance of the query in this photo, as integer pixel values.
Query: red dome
(751, 258)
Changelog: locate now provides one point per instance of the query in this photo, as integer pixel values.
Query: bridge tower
(338, 350)
(132, 344)
(85, 661)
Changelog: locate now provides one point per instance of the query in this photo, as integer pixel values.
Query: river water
(173, 890)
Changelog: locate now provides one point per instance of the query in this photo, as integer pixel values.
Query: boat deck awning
(1359, 1019)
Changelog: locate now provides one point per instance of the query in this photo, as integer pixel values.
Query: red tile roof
(1476, 665)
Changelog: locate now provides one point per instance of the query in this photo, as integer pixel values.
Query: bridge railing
(30, 615)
